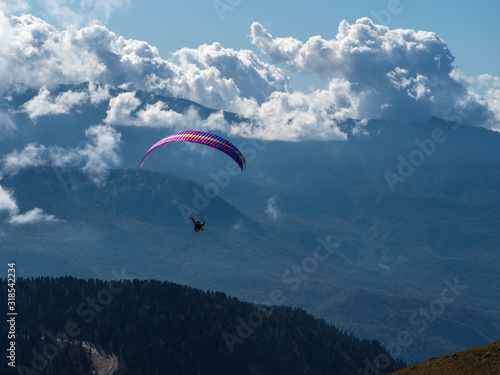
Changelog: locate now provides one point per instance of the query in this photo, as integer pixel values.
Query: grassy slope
(484, 360)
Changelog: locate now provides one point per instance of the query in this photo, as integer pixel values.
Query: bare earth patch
(104, 363)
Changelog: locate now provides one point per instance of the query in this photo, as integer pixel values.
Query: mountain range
(391, 234)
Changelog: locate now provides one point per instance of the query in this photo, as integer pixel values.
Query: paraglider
(208, 139)
(197, 225)
(204, 138)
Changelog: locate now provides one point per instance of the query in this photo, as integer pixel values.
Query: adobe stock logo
(424, 149)
(420, 320)
(224, 6)
(246, 327)
(384, 16)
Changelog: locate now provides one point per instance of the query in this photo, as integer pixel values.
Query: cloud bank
(369, 72)
(400, 74)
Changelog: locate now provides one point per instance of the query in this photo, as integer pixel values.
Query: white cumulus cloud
(299, 116)
(485, 88)
(43, 104)
(101, 152)
(367, 70)
(41, 55)
(94, 157)
(33, 155)
(8, 204)
(236, 72)
(400, 73)
(123, 110)
(36, 215)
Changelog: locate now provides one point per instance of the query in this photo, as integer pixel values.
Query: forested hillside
(164, 328)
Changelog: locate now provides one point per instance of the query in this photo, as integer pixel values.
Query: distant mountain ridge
(132, 226)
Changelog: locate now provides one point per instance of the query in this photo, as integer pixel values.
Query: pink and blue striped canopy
(208, 139)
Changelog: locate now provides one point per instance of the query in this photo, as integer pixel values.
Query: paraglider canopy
(204, 138)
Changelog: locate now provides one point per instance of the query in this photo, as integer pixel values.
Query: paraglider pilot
(197, 225)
